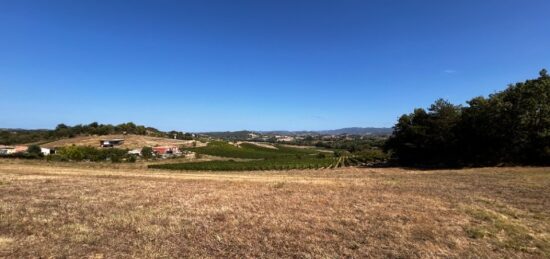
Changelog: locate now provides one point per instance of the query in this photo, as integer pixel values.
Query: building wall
(45, 151)
(7, 151)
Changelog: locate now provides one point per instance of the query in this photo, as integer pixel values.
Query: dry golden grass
(130, 141)
(48, 210)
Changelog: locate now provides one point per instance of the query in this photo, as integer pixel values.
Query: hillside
(130, 141)
(61, 131)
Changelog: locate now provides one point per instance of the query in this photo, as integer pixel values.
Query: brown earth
(49, 210)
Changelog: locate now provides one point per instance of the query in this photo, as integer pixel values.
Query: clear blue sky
(261, 65)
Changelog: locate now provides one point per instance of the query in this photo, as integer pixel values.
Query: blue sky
(260, 65)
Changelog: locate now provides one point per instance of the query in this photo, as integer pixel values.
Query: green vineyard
(267, 164)
(278, 158)
(263, 158)
(250, 151)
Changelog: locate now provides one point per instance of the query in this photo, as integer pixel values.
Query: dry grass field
(48, 210)
(130, 141)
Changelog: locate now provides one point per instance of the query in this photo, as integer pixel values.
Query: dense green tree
(18, 136)
(34, 150)
(147, 152)
(511, 126)
(426, 137)
(62, 130)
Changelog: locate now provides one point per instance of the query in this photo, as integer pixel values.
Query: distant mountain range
(351, 131)
(359, 131)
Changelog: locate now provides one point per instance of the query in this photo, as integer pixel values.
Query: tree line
(508, 127)
(13, 136)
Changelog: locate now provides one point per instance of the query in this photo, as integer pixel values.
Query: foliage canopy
(508, 127)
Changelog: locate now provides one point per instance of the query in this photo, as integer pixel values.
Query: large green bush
(372, 155)
(35, 150)
(147, 152)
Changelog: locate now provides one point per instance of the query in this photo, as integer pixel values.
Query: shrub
(372, 155)
(22, 156)
(35, 150)
(147, 152)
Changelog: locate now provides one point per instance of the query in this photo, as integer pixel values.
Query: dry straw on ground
(57, 211)
(130, 141)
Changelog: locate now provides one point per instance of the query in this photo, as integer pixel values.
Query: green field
(251, 151)
(263, 164)
(281, 158)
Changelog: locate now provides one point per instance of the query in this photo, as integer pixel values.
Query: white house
(6, 150)
(46, 151)
(136, 152)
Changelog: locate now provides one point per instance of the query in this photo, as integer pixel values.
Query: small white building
(6, 150)
(46, 151)
(136, 152)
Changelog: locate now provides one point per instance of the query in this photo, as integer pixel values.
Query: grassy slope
(77, 212)
(130, 141)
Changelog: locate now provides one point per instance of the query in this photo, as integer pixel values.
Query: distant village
(165, 151)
